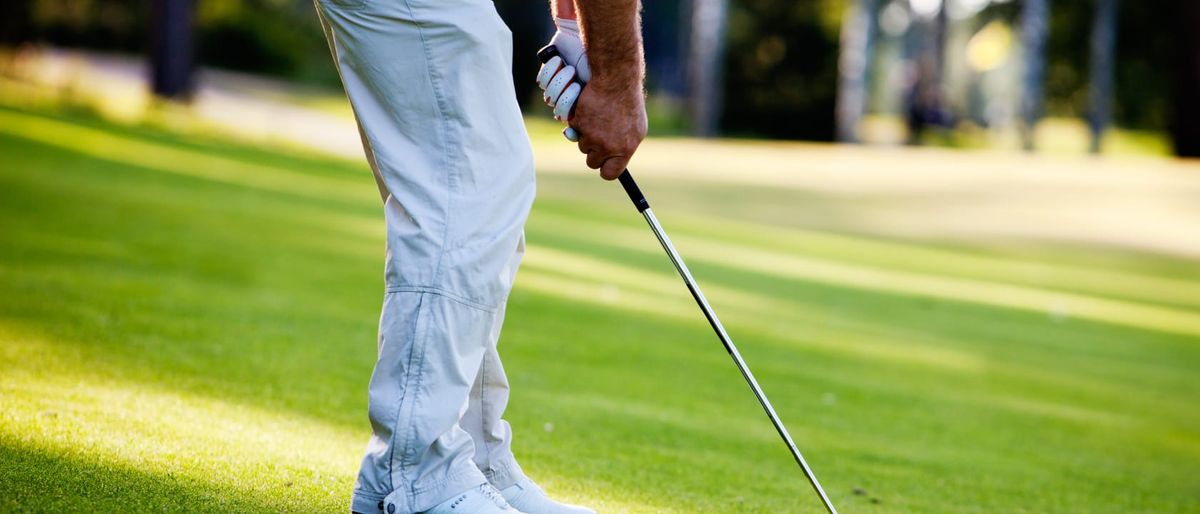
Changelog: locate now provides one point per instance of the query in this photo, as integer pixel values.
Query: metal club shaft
(643, 206)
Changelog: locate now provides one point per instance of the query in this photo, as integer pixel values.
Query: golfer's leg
(366, 143)
(430, 86)
(430, 350)
(484, 418)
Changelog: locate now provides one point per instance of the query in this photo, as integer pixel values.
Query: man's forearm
(610, 113)
(563, 9)
(612, 36)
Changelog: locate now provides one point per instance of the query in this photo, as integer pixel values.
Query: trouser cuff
(366, 503)
(419, 499)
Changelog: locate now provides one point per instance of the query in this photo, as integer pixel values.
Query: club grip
(546, 53)
(631, 189)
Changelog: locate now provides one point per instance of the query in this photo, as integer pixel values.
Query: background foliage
(781, 55)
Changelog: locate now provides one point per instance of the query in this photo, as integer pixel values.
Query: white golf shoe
(483, 499)
(531, 499)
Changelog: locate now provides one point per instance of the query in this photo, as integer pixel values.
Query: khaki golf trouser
(430, 83)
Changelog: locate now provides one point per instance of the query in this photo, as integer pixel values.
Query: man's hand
(610, 114)
(611, 122)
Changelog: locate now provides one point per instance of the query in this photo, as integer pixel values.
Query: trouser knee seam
(444, 294)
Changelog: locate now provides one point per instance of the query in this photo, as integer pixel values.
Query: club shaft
(682, 268)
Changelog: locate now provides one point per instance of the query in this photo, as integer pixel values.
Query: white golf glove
(562, 77)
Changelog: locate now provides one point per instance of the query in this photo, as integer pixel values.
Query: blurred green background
(955, 309)
(775, 64)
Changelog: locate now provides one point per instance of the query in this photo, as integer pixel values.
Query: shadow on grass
(35, 480)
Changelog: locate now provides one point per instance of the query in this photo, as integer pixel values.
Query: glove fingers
(559, 83)
(548, 70)
(566, 102)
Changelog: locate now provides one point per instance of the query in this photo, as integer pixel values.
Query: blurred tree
(1104, 35)
(1185, 127)
(707, 64)
(1146, 43)
(782, 62)
(171, 54)
(281, 38)
(531, 26)
(854, 58)
(14, 21)
(109, 24)
(665, 31)
(1035, 24)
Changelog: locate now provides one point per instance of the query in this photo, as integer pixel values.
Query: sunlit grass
(790, 265)
(1055, 135)
(188, 325)
(219, 445)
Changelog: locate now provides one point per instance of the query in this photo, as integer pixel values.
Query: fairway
(188, 325)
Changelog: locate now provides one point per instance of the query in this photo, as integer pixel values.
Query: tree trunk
(1035, 25)
(1185, 127)
(1100, 89)
(941, 29)
(854, 63)
(171, 49)
(707, 64)
(665, 33)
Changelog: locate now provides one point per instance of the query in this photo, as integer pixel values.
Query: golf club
(643, 207)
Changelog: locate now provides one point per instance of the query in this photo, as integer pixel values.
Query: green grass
(188, 325)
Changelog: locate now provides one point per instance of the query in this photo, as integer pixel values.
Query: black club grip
(546, 53)
(631, 189)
